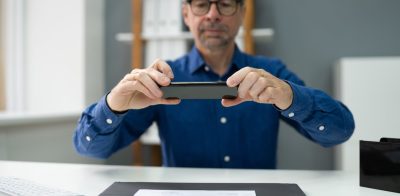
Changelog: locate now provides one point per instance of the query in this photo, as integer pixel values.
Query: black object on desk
(262, 189)
(380, 164)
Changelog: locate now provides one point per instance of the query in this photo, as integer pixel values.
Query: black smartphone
(199, 90)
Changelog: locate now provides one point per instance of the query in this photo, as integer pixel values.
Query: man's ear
(185, 13)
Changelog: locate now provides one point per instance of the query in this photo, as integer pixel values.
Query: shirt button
(291, 114)
(109, 121)
(321, 128)
(227, 158)
(207, 68)
(88, 138)
(223, 120)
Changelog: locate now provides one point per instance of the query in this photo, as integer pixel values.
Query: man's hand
(140, 88)
(259, 86)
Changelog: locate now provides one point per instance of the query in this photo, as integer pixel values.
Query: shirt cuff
(105, 118)
(302, 104)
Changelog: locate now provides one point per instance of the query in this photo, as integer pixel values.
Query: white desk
(93, 179)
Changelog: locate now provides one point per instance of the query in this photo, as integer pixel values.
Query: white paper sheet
(150, 192)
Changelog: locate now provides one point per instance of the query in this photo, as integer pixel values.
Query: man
(239, 133)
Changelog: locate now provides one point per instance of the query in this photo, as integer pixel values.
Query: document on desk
(151, 192)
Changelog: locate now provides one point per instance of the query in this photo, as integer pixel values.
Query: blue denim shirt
(203, 133)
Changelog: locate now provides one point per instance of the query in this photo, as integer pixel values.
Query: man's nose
(213, 14)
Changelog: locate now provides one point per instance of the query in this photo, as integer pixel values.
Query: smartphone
(199, 90)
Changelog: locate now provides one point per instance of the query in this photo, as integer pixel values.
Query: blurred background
(59, 56)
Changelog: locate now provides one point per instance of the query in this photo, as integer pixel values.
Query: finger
(135, 71)
(247, 83)
(159, 77)
(133, 86)
(127, 77)
(130, 76)
(267, 96)
(272, 80)
(258, 87)
(238, 76)
(134, 76)
(168, 101)
(148, 82)
(232, 102)
(163, 67)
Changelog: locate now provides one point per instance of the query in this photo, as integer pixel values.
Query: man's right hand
(140, 88)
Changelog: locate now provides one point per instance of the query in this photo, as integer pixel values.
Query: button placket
(223, 120)
(227, 158)
(109, 121)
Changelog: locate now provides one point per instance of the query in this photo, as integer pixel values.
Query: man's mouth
(214, 30)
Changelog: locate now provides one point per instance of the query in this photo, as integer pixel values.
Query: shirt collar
(196, 61)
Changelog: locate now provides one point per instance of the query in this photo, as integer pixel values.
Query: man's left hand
(259, 86)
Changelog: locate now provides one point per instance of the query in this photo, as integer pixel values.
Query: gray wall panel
(118, 55)
(310, 36)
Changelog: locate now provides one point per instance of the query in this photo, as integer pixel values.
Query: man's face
(216, 28)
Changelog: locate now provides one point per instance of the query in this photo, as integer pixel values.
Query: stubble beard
(214, 42)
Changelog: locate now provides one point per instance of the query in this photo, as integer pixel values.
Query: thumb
(231, 102)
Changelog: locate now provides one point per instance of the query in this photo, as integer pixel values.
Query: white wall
(64, 72)
(370, 88)
(54, 55)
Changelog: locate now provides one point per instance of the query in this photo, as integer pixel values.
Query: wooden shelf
(265, 34)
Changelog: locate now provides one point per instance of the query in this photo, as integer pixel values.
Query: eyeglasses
(224, 7)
